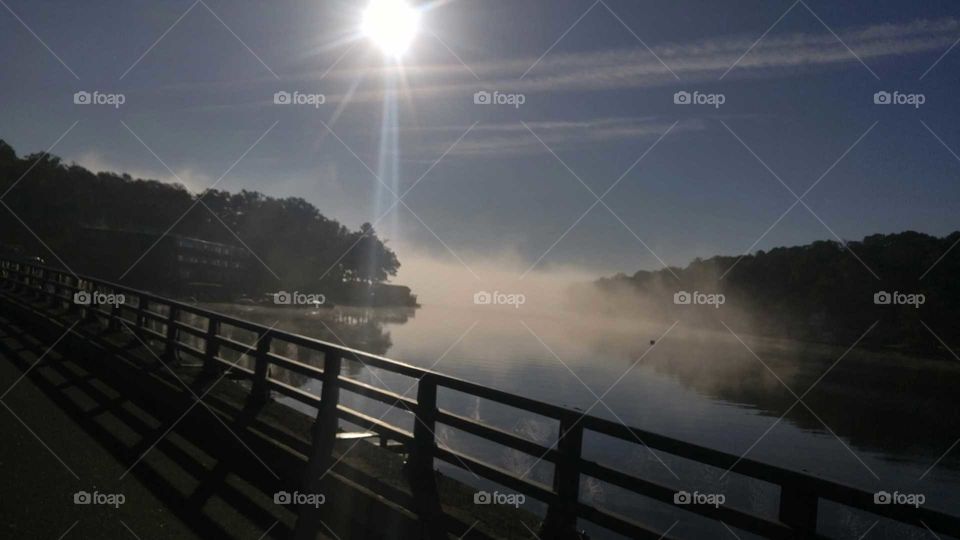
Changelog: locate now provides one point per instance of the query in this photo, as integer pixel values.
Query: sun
(391, 25)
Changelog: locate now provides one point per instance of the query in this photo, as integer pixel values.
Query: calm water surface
(876, 420)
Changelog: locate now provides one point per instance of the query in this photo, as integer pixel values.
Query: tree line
(824, 291)
(50, 201)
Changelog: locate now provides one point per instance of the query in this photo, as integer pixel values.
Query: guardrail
(799, 497)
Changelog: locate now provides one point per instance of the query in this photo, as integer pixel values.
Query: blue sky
(598, 82)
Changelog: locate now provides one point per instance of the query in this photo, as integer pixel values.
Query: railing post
(212, 348)
(141, 318)
(72, 292)
(170, 352)
(325, 428)
(423, 481)
(54, 296)
(324, 437)
(798, 509)
(27, 277)
(561, 519)
(113, 324)
(260, 393)
(17, 278)
(47, 297)
(424, 442)
(89, 310)
(116, 312)
(65, 287)
(36, 282)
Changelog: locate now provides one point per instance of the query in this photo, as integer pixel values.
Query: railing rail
(800, 494)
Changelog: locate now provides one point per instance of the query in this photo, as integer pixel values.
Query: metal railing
(799, 494)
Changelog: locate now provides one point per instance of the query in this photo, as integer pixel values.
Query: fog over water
(877, 420)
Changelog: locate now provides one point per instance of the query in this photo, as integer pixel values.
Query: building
(375, 295)
(169, 264)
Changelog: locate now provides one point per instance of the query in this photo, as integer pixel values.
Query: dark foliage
(821, 291)
(48, 202)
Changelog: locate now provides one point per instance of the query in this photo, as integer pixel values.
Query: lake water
(876, 420)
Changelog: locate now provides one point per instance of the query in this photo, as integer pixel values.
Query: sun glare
(391, 24)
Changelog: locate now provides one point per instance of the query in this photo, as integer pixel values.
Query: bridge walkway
(68, 430)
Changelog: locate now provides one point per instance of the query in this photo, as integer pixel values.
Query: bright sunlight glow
(391, 24)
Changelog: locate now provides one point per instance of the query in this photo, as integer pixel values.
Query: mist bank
(824, 292)
(460, 278)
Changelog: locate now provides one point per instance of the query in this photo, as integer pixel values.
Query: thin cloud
(513, 139)
(704, 61)
(699, 61)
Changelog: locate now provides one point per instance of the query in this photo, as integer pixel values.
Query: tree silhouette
(56, 202)
(820, 291)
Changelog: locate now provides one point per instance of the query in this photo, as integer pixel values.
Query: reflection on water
(875, 420)
(352, 327)
(355, 327)
(878, 401)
